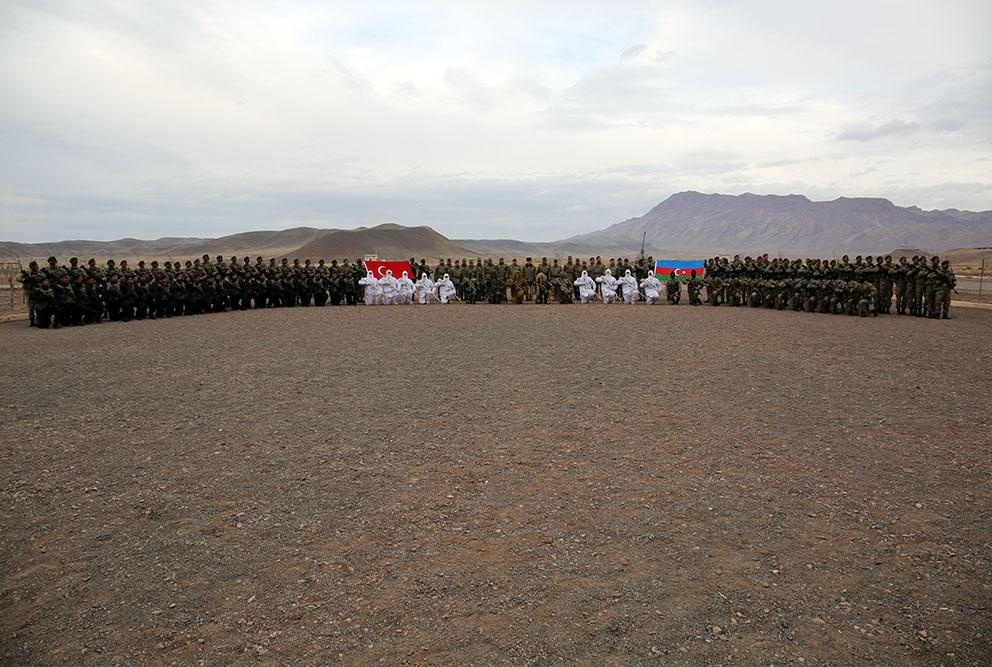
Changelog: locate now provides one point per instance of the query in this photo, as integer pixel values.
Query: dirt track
(498, 485)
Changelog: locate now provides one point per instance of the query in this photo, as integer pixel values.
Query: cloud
(870, 132)
(641, 53)
(468, 88)
(634, 51)
(356, 82)
(136, 119)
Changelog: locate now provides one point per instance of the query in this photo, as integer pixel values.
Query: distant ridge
(262, 242)
(791, 225)
(685, 224)
(386, 240)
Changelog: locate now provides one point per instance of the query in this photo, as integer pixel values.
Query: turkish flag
(379, 268)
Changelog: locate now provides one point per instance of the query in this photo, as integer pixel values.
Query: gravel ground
(498, 485)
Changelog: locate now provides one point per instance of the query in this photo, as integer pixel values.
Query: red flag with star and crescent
(378, 268)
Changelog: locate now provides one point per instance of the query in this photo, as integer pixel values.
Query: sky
(533, 121)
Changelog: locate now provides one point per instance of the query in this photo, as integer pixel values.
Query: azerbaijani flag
(379, 268)
(681, 270)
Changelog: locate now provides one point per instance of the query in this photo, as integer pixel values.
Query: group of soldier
(75, 294)
(486, 280)
(863, 287)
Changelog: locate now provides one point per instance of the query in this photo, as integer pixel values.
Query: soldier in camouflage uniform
(44, 302)
(930, 283)
(673, 290)
(694, 286)
(92, 301)
(541, 290)
(919, 286)
(946, 284)
(30, 280)
(530, 279)
(898, 275)
(516, 282)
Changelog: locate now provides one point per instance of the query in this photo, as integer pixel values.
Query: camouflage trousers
(916, 305)
(901, 302)
(884, 303)
(942, 302)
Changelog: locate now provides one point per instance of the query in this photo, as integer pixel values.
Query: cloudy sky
(482, 119)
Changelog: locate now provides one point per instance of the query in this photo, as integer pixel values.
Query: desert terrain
(498, 485)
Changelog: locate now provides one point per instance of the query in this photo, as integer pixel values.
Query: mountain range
(791, 225)
(685, 224)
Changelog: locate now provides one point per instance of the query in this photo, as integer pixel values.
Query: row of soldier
(865, 286)
(76, 294)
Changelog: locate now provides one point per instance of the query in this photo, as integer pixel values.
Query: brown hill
(969, 259)
(267, 243)
(387, 241)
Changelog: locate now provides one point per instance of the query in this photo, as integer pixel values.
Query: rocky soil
(498, 485)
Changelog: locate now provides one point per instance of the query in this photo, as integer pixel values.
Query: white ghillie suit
(424, 288)
(652, 289)
(630, 293)
(405, 287)
(609, 284)
(373, 294)
(390, 290)
(445, 288)
(587, 287)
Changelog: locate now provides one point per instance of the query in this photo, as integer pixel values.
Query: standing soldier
(930, 284)
(53, 272)
(530, 279)
(569, 274)
(911, 272)
(92, 301)
(30, 280)
(518, 286)
(456, 275)
(44, 302)
(470, 283)
(898, 278)
(544, 267)
(486, 272)
(128, 298)
(919, 285)
(339, 284)
(554, 279)
(502, 274)
(947, 282)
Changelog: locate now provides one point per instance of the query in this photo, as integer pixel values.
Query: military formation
(76, 294)
(496, 281)
(866, 286)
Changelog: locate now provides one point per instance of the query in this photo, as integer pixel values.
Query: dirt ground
(487, 485)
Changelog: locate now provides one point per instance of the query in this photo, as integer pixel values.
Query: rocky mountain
(684, 225)
(692, 222)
